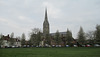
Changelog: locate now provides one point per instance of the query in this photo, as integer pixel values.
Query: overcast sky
(20, 16)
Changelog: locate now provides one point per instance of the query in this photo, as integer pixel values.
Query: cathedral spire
(46, 24)
(46, 29)
(46, 17)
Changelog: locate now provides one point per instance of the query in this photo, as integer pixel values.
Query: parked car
(9, 46)
(75, 46)
(28, 45)
(13, 46)
(57, 45)
(88, 45)
(53, 45)
(96, 45)
(83, 45)
(67, 45)
(24, 46)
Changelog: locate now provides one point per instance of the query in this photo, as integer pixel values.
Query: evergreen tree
(23, 39)
(64, 39)
(81, 36)
(57, 38)
(69, 37)
(12, 35)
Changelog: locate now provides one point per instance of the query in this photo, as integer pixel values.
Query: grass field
(50, 52)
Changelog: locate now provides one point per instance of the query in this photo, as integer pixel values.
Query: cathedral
(48, 38)
(46, 25)
(46, 31)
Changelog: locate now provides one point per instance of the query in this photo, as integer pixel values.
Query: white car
(13, 46)
(84, 45)
(96, 45)
(75, 46)
(57, 45)
(67, 45)
(53, 45)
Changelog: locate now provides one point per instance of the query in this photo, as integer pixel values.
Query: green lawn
(50, 52)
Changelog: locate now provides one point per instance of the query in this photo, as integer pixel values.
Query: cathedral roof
(61, 33)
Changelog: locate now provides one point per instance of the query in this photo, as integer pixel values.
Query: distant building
(6, 42)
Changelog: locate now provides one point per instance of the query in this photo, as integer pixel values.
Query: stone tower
(46, 25)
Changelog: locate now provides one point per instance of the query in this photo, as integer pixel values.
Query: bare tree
(97, 34)
(35, 31)
(90, 37)
(35, 36)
